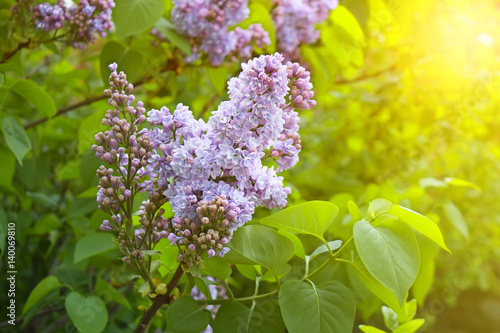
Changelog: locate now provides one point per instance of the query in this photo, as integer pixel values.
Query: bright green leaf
(312, 217)
(186, 316)
(334, 245)
(42, 289)
(461, 182)
(306, 307)
(16, 138)
(354, 211)
(456, 218)
(422, 224)
(299, 248)
(218, 77)
(134, 16)
(390, 318)
(390, 253)
(370, 329)
(261, 245)
(36, 95)
(88, 314)
(410, 327)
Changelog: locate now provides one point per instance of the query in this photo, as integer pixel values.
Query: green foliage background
(408, 100)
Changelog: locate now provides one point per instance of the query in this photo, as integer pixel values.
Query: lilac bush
(211, 173)
(81, 21)
(295, 20)
(206, 24)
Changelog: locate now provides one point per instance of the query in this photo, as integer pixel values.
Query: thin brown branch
(39, 313)
(6, 56)
(159, 301)
(366, 76)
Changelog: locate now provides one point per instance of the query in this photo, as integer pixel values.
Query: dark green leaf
(93, 244)
(186, 316)
(36, 95)
(235, 317)
(16, 138)
(134, 16)
(305, 307)
(42, 289)
(128, 61)
(71, 276)
(109, 294)
(88, 314)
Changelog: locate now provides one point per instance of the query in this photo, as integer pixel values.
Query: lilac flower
(206, 23)
(295, 20)
(49, 17)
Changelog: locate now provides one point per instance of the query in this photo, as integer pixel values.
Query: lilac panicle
(206, 24)
(295, 20)
(81, 22)
(211, 173)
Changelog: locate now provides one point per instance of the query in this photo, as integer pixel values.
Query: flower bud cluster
(295, 20)
(209, 232)
(206, 24)
(81, 22)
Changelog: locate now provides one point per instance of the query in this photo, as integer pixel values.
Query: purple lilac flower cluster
(294, 21)
(206, 23)
(81, 21)
(211, 173)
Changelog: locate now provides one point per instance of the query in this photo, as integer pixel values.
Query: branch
(10, 54)
(39, 313)
(159, 301)
(366, 76)
(65, 110)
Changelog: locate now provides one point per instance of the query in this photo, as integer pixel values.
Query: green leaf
(134, 16)
(128, 61)
(168, 29)
(408, 311)
(384, 294)
(16, 138)
(260, 14)
(217, 268)
(410, 327)
(88, 314)
(42, 289)
(456, 218)
(71, 276)
(186, 316)
(422, 224)
(36, 95)
(3, 231)
(312, 218)
(305, 307)
(235, 317)
(218, 77)
(390, 253)
(334, 245)
(390, 318)
(299, 248)
(109, 294)
(425, 278)
(461, 182)
(7, 168)
(260, 245)
(93, 244)
(1, 79)
(380, 206)
(354, 211)
(370, 329)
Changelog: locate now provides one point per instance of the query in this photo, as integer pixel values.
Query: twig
(367, 76)
(159, 302)
(40, 313)
(10, 54)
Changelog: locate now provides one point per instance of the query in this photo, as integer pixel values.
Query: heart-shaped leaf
(88, 314)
